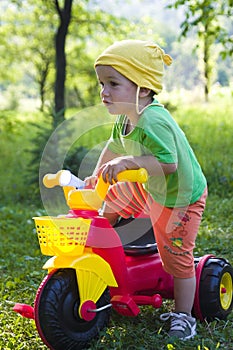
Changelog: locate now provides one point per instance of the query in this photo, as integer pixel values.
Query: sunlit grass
(21, 273)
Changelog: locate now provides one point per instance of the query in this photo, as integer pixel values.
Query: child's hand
(111, 169)
(91, 181)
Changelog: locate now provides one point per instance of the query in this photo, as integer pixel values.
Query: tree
(209, 18)
(88, 23)
(26, 44)
(88, 26)
(38, 49)
(60, 40)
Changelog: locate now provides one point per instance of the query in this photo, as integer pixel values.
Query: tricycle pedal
(125, 305)
(24, 310)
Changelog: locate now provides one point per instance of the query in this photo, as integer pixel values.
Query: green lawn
(21, 274)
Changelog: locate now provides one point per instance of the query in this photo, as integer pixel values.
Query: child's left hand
(111, 169)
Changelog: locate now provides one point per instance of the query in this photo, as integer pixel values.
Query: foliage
(40, 53)
(74, 159)
(16, 131)
(19, 255)
(206, 18)
(28, 52)
(209, 130)
(42, 133)
(32, 48)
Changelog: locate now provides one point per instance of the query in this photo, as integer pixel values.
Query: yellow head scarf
(142, 62)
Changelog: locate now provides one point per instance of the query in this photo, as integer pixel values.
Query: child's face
(118, 93)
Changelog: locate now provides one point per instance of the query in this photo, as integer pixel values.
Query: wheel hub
(226, 290)
(86, 310)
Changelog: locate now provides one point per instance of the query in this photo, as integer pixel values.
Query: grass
(209, 130)
(21, 274)
(16, 131)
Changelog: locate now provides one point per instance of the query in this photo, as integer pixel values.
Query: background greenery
(27, 117)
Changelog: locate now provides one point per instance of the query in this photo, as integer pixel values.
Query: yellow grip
(52, 180)
(138, 175)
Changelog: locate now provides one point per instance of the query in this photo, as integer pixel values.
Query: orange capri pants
(175, 229)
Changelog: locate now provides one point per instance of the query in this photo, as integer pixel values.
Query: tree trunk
(60, 39)
(208, 42)
(42, 82)
(206, 68)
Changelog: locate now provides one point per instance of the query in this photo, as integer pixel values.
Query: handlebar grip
(63, 178)
(52, 180)
(138, 175)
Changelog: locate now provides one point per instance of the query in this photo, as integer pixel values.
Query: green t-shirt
(159, 135)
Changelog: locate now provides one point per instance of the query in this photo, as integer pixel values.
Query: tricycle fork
(94, 275)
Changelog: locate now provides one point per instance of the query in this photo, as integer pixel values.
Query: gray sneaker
(182, 325)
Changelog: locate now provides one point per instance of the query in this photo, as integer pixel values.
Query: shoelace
(178, 321)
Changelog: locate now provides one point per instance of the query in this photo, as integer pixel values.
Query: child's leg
(108, 213)
(175, 230)
(125, 200)
(184, 292)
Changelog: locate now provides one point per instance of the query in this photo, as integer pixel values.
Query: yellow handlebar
(138, 175)
(92, 198)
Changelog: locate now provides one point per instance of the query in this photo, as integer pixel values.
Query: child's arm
(150, 163)
(105, 156)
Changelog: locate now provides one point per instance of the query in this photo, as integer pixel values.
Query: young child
(145, 135)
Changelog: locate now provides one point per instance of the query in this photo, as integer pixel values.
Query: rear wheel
(56, 313)
(215, 289)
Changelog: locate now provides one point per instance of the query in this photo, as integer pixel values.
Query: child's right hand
(91, 181)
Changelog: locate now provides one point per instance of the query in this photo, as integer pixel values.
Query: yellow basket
(62, 236)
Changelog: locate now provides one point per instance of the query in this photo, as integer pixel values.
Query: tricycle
(94, 267)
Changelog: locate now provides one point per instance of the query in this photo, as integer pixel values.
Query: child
(144, 135)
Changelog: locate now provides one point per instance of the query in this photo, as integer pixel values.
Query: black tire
(215, 289)
(56, 313)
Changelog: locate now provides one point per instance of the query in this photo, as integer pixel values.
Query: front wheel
(215, 289)
(56, 313)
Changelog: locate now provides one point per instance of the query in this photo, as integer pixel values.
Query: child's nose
(104, 91)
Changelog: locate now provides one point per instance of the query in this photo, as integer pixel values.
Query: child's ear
(144, 92)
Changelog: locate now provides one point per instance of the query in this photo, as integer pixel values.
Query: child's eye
(113, 83)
